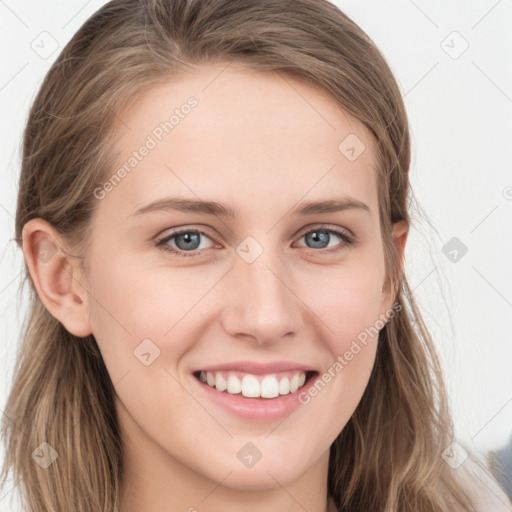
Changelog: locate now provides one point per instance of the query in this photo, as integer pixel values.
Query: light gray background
(460, 109)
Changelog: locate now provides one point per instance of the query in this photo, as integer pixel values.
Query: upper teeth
(265, 386)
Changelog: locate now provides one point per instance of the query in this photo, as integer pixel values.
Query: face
(262, 295)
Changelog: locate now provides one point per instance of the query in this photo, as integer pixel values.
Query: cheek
(348, 303)
(140, 324)
(133, 299)
(159, 304)
(349, 308)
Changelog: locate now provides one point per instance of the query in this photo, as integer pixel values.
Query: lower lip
(255, 408)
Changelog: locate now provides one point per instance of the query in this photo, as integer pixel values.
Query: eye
(321, 236)
(187, 242)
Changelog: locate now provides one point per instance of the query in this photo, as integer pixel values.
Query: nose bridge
(263, 305)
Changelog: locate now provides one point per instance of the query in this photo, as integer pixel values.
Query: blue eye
(188, 241)
(323, 235)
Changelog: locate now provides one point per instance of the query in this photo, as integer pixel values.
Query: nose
(262, 304)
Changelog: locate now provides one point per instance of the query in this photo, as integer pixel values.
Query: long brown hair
(388, 456)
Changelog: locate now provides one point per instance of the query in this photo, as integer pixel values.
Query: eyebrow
(218, 209)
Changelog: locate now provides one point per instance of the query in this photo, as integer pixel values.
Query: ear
(399, 234)
(56, 276)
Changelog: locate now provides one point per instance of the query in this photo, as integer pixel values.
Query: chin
(278, 468)
(259, 479)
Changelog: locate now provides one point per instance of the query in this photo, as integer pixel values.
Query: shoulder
(484, 490)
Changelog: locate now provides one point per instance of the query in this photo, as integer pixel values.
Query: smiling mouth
(271, 385)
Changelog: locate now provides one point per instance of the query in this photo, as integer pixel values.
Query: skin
(260, 144)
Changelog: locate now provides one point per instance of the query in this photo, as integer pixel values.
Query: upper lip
(258, 368)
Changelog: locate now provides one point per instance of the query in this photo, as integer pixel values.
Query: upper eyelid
(179, 231)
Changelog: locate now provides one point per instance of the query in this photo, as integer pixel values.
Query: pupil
(190, 238)
(319, 237)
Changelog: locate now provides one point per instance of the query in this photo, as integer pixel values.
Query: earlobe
(56, 276)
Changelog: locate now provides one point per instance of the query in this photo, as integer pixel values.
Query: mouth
(254, 391)
(256, 385)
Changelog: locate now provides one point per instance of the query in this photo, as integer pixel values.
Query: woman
(213, 213)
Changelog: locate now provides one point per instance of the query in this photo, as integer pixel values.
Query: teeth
(269, 387)
(294, 383)
(220, 382)
(234, 385)
(251, 387)
(284, 385)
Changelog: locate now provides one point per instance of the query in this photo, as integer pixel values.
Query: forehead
(230, 131)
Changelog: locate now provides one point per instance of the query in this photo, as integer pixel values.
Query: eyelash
(162, 242)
